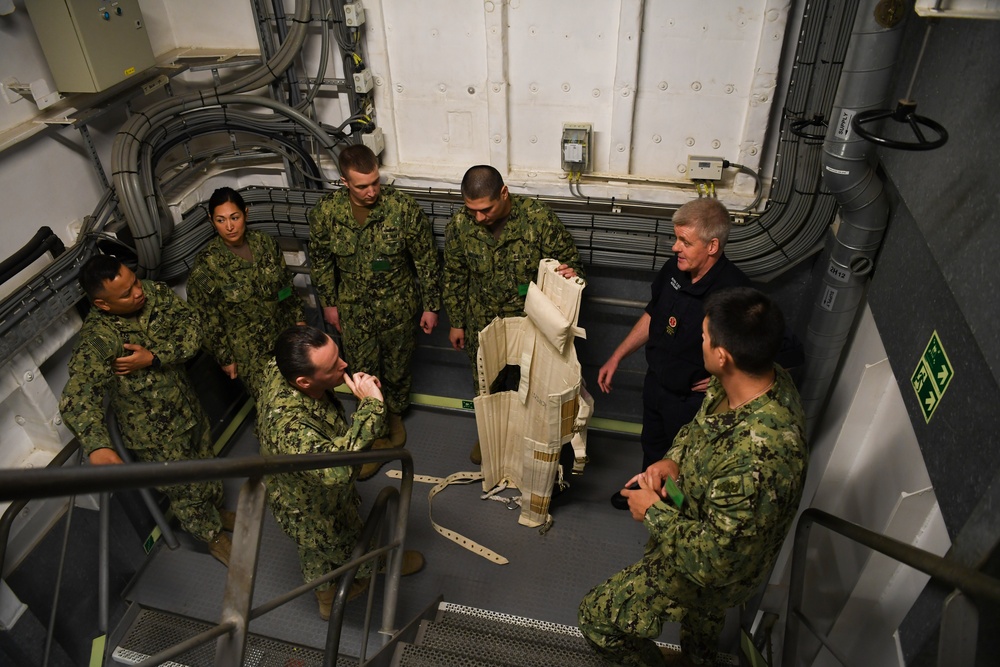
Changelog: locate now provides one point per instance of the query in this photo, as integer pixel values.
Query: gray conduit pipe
(788, 229)
(138, 198)
(135, 189)
(849, 173)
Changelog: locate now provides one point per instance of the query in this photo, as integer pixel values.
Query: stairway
(152, 631)
(458, 636)
(462, 636)
(477, 638)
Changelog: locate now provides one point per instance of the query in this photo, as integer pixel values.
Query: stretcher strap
(441, 483)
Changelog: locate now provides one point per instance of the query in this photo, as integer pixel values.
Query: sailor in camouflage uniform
(492, 248)
(375, 266)
(134, 345)
(740, 465)
(242, 291)
(491, 252)
(298, 413)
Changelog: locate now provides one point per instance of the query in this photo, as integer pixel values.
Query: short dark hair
(96, 271)
(708, 216)
(482, 181)
(292, 350)
(222, 196)
(357, 157)
(748, 324)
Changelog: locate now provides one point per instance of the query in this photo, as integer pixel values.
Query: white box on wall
(91, 46)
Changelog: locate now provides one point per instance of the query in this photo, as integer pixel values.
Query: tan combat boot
(357, 588)
(395, 438)
(228, 519)
(413, 562)
(397, 432)
(221, 547)
(369, 470)
(325, 598)
(476, 455)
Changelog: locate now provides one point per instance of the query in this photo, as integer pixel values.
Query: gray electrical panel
(91, 45)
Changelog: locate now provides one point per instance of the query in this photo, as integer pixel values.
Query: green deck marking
(236, 422)
(97, 651)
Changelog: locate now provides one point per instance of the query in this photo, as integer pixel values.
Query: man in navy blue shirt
(670, 328)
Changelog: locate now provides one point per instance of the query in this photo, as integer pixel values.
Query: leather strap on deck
(440, 484)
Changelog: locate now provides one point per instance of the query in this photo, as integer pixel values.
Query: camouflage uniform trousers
(325, 535)
(318, 509)
(196, 506)
(622, 617)
(386, 354)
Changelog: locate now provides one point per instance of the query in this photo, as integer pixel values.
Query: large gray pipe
(134, 181)
(849, 173)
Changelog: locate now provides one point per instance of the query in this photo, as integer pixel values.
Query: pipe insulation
(849, 172)
(133, 179)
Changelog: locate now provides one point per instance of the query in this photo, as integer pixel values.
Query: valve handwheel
(905, 112)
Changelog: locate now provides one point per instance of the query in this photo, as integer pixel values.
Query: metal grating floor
(519, 645)
(153, 631)
(545, 580)
(462, 636)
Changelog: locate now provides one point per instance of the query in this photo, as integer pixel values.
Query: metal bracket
(36, 91)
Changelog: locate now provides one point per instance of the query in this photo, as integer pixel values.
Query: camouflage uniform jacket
(147, 402)
(290, 422)
(485, 277)
(370, 272)
(243, 305)
(741, 472)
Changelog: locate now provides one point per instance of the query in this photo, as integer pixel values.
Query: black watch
(156, 363)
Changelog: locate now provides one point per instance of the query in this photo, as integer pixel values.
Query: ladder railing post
(959, 631)
(238, 596)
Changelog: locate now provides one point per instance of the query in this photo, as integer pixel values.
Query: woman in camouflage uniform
(242, 291)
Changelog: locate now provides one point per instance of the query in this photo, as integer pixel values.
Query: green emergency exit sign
(932, 376)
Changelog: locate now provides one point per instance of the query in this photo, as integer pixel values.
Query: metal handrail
(15, 508)
(383, 503)
(54, 483)
(24, 485)
(976, 585)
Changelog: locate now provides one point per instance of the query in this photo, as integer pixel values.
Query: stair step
(504, 638)
(566, 637)
(154, 630)
(470, 637)
(409, 655)
(510, 644)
